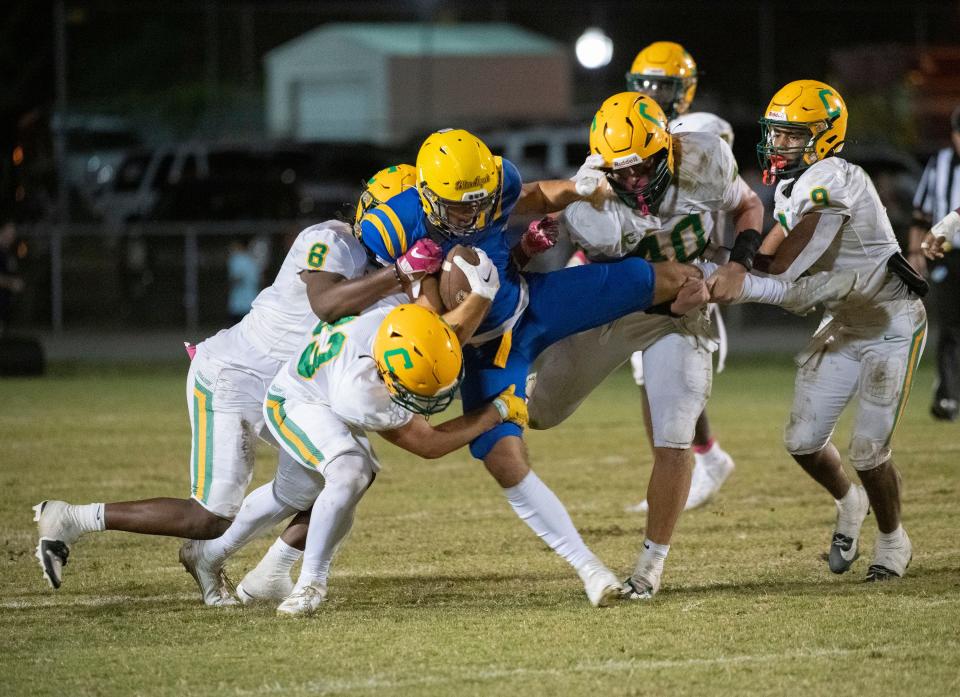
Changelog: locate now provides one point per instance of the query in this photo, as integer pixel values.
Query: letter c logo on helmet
(805, 121)
(630, 132)
(460, 182)
(418, 358)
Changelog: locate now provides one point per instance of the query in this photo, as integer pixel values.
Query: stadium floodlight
(594, 48)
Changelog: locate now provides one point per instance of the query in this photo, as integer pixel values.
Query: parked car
(217, 182)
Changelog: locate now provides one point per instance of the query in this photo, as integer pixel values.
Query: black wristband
(745, 248)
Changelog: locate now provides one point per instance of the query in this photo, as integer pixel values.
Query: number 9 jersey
(706, 181)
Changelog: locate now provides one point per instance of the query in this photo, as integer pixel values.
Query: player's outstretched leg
(542, 511)
(59, 525)
(798, 297)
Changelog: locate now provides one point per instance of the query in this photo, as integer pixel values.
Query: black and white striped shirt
(939, 189)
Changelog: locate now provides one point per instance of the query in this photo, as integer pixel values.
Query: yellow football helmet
(666, 73)
(459, 180)
(386, 183)
(418, 358)
(805, 122)
(630, 132)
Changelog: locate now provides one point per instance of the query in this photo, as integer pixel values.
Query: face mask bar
(779, 161)
(459, 218)
(419, 404)
(642, 186)
(666, 91)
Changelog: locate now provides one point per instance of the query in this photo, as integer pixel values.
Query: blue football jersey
(389, 229)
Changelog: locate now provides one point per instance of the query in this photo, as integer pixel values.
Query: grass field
(442, 590)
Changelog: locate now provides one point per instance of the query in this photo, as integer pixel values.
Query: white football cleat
(846, 535)
(260, 586)
(600, 584)
(644, 582)
(807, 292)
(890, 561)
(57, 528)
(303, 601)
(709, 473)
(216, 589)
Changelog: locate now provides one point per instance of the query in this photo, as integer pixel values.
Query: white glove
(589, 178)
(948, 227)
(484, 279)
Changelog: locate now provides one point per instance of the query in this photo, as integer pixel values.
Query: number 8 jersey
(706, 181)
(281, 312)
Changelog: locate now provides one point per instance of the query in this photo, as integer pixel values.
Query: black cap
(955, 119)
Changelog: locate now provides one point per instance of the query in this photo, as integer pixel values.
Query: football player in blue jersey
(464, 195)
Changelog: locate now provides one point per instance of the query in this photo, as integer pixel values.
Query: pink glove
(540, 236)
(422, 259)
(190, 349)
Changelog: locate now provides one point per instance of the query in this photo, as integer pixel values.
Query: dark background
(192, 70)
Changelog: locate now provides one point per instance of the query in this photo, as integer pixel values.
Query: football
(454, 286)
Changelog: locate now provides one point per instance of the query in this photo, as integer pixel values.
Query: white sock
(540, 509)
(756, 289)
(891, 539)
(849, 498)
(279, 559)
(760, 289)
(652, 550)
(89, 517)
(347, 479)
(260, 511)
(650, 563)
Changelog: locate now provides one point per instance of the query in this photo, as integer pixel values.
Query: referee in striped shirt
(938, 195)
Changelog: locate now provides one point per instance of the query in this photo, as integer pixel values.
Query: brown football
(454, 286)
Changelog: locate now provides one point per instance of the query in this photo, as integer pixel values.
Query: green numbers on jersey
(819, 197)
(317, 255)
(326, 345)
(686, 241)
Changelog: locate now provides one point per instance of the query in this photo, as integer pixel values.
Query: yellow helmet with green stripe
(630, 132)
(805, 122)
(386, 183)
(419, 359)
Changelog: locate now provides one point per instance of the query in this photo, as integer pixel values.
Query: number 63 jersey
(705, 182)
(324, 399)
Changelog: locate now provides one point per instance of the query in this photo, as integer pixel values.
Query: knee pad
(804, 434)
(868, 453)
(295, 485)
(352, 472)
